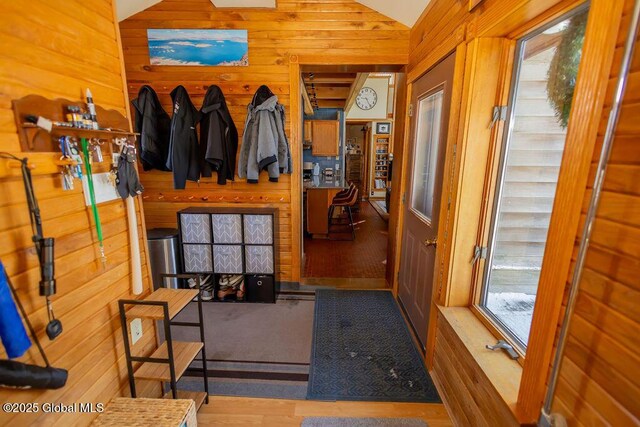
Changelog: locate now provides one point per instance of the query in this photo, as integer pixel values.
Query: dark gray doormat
(362, 422)
(362, 350)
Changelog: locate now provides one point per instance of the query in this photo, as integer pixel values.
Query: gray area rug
(362, 422)
(279, 332)
(253, 350)
(362, 350)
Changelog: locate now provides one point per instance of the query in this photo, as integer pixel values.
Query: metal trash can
(163, 256)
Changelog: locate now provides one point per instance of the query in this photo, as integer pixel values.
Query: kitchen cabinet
(307, 135)
(325, 137)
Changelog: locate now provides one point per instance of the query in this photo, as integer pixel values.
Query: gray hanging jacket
(264, 143)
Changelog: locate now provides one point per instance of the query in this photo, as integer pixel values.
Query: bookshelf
(381, 163)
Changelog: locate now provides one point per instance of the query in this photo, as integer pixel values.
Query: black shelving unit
(237, 241)
(172, 358)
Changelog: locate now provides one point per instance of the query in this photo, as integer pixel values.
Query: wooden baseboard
(347, 283)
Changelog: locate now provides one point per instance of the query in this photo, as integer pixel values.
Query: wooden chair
(347, 202)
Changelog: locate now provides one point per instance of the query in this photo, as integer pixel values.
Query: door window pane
(545, 74)
(426, 153)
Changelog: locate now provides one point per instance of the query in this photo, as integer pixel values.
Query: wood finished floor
(362, 258)
(244, 411)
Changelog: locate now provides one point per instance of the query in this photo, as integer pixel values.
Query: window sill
(503, 373)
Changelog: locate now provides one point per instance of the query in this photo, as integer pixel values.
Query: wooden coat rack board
(35, 139)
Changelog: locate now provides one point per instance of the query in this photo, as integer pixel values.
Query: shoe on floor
(240, 293)
(191, 282)
(204, 280)
(226, 292)
(207, 295)
(235, 280)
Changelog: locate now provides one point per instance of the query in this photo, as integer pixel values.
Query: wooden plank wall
(600, 375)
(478, 403)
(58, 51)
(319, 29)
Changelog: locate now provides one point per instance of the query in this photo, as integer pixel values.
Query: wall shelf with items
(380, 169)
(36, 139)
(231, 244)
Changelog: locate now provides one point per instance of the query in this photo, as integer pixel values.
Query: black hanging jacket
(153, 124)
(218, 136)
(184, 153)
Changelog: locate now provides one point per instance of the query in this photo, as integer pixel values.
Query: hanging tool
(44, 248)
(92, 196)
(128, 185)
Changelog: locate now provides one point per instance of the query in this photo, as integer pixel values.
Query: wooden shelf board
(82, 133)
(177, 299)
(183, 355)
(196, 396)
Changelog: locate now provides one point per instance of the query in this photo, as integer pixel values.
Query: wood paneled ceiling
(328, 90)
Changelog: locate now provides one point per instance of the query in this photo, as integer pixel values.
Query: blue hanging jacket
(12, 332)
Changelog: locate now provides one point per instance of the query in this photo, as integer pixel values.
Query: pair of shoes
(231, 285)
(225, 290)
(206, 286)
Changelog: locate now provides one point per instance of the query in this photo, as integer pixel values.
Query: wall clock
(367, 98)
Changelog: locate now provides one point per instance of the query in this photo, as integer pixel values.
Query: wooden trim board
(588, 102)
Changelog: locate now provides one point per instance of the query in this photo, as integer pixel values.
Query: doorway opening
(347, 141)
(328, 146)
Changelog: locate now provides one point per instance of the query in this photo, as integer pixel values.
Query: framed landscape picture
(198, 47)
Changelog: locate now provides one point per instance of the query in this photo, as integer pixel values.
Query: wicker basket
(141, 412)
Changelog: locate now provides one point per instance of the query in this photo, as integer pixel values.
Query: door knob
(430, 242)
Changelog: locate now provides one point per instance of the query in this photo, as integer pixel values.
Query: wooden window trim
(489, 190)
(586, 112)
(491, 183)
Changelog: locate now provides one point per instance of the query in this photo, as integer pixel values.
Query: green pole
(92, 196)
